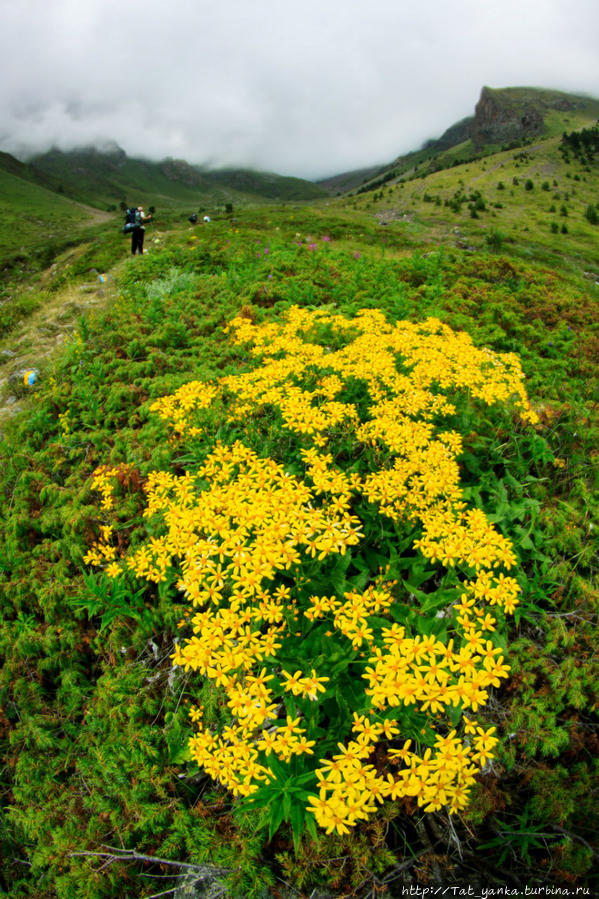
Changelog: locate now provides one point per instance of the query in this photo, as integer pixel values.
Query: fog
(308, 89)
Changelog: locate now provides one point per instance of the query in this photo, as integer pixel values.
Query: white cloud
(308, 89)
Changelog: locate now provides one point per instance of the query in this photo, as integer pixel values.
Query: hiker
(193, 218)
(138, 231)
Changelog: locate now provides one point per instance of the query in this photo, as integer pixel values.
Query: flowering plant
(344, 600)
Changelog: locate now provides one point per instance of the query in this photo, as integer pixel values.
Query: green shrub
(591, 214)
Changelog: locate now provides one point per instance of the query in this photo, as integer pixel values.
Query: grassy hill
(504, 118)
(536, 200)
(109, 176)
(36, 221)
(343, 380)
(46, 202)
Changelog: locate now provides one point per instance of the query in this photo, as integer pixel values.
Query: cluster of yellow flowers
(189, 398)
(241, 531)
(349, 786)
(103, 551)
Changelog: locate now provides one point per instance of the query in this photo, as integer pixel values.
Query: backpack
(132, 220)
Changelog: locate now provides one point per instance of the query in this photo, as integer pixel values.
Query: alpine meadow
(298, 577)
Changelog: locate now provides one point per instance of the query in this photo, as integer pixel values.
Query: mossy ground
(93, 721)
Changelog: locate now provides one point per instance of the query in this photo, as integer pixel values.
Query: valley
(298, 577)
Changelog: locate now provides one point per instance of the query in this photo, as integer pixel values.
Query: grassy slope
(92, 725)
(266, 185)
(520, 98)
(107, 178)
(582, 112)
(522, 218)
(35, 220)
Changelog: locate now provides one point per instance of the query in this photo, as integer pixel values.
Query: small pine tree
(494, 240)
(591, 214)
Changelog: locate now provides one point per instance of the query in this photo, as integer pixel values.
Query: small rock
(194, 886)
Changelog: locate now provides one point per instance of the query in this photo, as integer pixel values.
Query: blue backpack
(132, 220)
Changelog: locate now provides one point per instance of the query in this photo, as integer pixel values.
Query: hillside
(502, 117)
(537, 199)
(108, 176)
(101, 792)
(47, 200)
(36, 221)
(347, 181)
(299, 521)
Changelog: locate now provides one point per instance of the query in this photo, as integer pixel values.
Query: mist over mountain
(106, 177)
(502, 117)
(307, 92)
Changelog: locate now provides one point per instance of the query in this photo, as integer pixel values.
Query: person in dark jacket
(138, 233)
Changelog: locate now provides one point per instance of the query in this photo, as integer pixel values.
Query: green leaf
(275, 820)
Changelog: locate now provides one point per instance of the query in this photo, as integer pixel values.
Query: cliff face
(499, 118)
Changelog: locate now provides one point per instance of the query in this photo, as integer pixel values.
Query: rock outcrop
(500, 117)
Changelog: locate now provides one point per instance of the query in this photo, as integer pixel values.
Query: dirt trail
(32, 342)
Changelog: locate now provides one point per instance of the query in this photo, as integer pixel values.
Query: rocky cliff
(499, 116)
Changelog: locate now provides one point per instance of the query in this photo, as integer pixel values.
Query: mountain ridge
(107, 177)
(511, 115)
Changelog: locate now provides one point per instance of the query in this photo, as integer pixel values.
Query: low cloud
(310, 90)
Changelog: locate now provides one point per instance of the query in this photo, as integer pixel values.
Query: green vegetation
(549, 114)
(105, 178)
(100, 795)
(37, 223)
(442, 204)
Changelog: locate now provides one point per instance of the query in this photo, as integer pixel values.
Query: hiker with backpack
(134, 224)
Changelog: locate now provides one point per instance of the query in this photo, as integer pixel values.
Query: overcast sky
(309, 88)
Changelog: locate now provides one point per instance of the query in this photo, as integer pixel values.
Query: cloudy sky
(308, 88)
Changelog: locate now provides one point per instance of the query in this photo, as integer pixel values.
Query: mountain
(37, 221)
(46, 201)
(106, 177)
(503, 118)
(519, 113)
(537, 193)
(349, 180)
